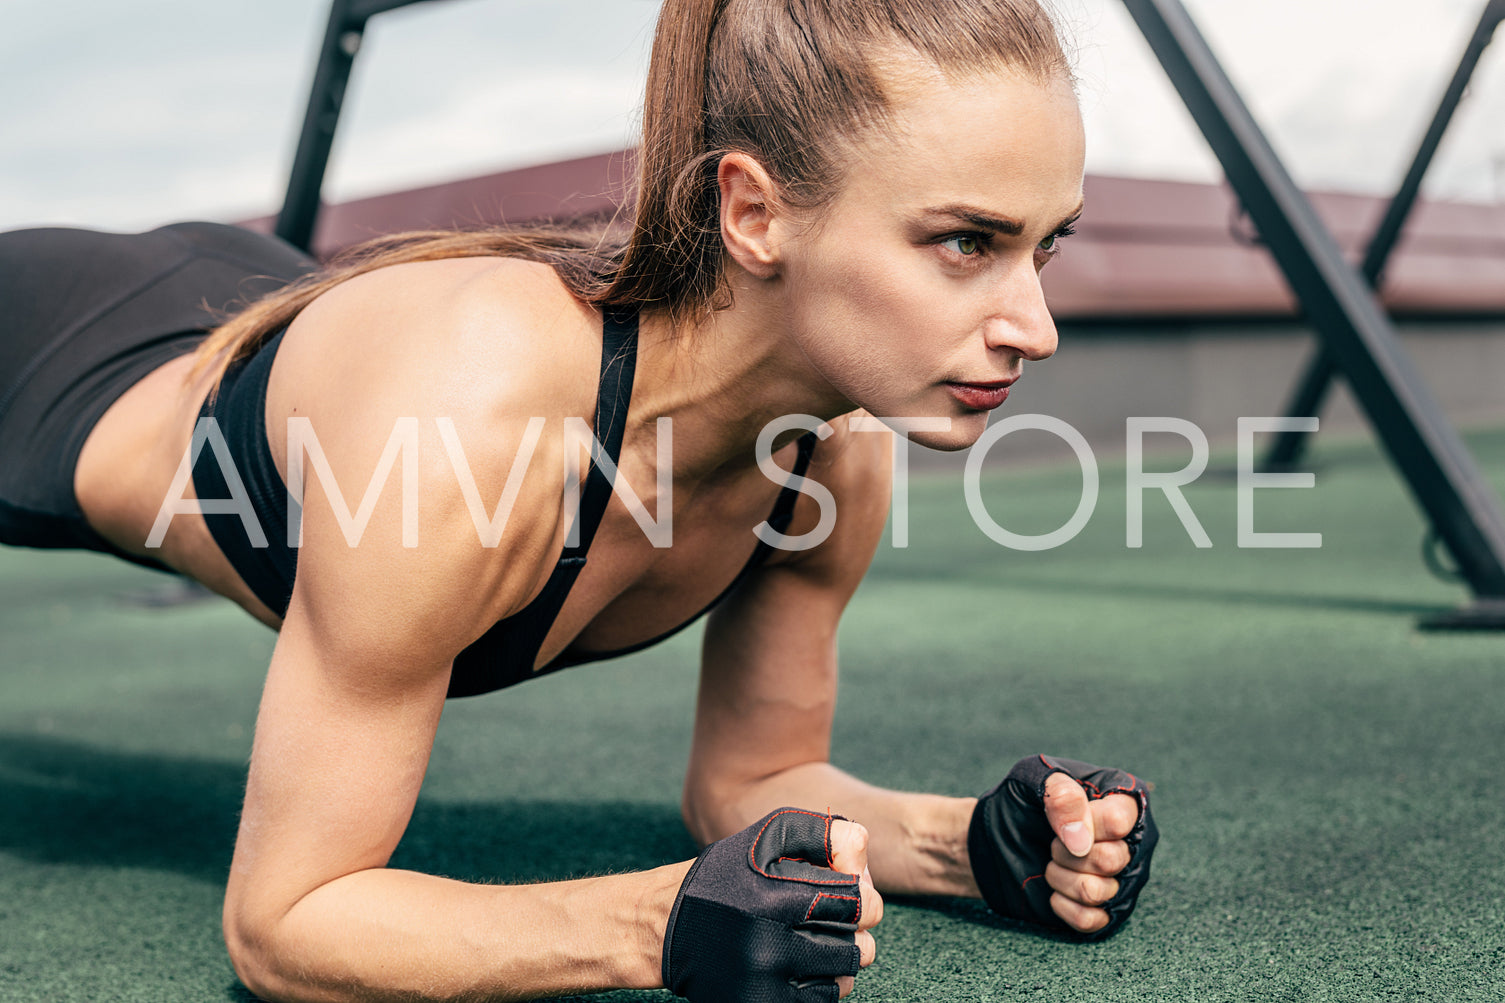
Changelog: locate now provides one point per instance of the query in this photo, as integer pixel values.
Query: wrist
(935, 832)
(958, 824)
(655, 901)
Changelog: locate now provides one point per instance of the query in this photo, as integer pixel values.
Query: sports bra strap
(783, 508)
(504, 655)
(619, 349)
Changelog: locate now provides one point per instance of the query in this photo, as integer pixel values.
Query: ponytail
(674, 255)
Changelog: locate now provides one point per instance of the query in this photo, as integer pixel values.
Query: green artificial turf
(1326, 775)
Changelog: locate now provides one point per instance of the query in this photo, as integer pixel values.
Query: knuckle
(1070, 912)
(1061, 788)
(1125, 813)
(1080, 918)
(872, 908)
(1113, 856)
(1099, 890)
(849, 837)
(868, 948)
(1092, 920)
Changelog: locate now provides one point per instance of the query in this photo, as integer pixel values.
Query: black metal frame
(1312, 388)
(342, 40)
(1339, 304)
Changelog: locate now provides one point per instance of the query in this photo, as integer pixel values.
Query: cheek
(867, 319)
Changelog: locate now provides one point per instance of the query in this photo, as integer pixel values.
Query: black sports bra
(505, 654)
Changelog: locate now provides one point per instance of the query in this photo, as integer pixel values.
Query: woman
(843, 208)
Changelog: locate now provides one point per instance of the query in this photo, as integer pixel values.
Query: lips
(981, 396)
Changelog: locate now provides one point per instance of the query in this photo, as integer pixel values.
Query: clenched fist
(777, 913)
(1063, 843)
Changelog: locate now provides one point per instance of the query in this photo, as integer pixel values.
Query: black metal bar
(1341, 307)
(1287, 448)
(367, 9)
(300, 206)
(342, 40)
(1312, 387)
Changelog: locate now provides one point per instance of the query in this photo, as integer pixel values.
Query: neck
(724, 377)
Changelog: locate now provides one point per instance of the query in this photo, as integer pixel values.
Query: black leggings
(85, 315)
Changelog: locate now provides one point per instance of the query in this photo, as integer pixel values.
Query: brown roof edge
(1144, 248)
(585, 186)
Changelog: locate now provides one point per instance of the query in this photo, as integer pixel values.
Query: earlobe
(747, 213)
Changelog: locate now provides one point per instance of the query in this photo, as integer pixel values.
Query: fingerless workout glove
(1009, 841)
(763, 918)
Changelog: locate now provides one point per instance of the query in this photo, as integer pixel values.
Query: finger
(1067, 812)
(868, 947)
(1081, 918)
(1104, 858)
(872, 902)
(848, 846)
(1114, 816)
(1088, 889)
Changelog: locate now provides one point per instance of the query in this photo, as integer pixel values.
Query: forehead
(1001, 141)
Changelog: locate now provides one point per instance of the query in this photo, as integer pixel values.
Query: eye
(1048, 245)
(965, 244)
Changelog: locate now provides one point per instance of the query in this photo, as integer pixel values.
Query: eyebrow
(999, 224)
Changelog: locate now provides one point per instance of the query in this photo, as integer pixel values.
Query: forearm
(388, 934)
(917, 842)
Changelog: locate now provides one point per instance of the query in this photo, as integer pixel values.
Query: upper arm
(769, 662)
(361, 667)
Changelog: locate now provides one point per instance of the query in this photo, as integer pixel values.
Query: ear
(748, 204)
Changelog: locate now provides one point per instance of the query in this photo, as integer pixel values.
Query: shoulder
(474, 364)
(470, 331)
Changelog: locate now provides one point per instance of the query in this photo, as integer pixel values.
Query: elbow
(709, 809)
(694, 816)
(249, 940)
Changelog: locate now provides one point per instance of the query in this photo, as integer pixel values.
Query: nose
(1021, 322)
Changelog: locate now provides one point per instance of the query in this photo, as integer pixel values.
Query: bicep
(357, 683)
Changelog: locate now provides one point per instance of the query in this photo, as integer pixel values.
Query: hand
(1089, 849)
(777, 913)
(1063, 843)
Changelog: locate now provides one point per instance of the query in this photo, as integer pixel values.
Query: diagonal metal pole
(1427, 450)
(342, 40)
(1313, 386)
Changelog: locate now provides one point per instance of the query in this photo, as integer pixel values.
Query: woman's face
(917, 292)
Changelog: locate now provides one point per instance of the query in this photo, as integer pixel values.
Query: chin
(965, 430)
(954, 441)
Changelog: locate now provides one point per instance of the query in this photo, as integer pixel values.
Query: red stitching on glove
(752, 852)
(856, 916)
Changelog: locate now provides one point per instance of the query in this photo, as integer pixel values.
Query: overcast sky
(127, 113)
